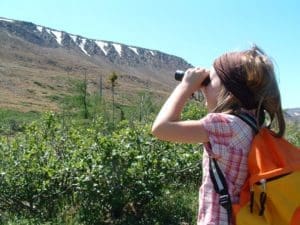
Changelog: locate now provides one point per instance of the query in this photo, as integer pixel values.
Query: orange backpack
(271, 194)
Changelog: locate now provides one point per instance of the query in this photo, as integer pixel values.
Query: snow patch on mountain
(134, 50)
(6, 20)
(58, 36)
(48, 31)
(102, 46)
(82, 45)
(74, 38)
(39, 28)
(118, 48)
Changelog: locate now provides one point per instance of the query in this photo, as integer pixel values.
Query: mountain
(39, 66)
(293, 115)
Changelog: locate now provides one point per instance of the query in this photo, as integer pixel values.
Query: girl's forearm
(172, 108)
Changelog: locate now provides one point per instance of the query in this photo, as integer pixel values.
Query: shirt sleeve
(219, 130)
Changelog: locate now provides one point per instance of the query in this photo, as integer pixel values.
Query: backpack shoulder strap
(220, 186)
(250, 120)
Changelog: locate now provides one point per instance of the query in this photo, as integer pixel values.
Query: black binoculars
(179, 75)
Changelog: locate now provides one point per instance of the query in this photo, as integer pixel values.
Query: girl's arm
(168, 126)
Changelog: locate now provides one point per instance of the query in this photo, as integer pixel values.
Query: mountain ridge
(37, 52)
(49, 37)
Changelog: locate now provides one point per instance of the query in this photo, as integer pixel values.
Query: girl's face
(211, 90)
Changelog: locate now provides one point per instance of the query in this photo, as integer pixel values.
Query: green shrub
(293, 134)
(62, 168)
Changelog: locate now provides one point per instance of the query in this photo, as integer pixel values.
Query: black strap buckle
(225, 201)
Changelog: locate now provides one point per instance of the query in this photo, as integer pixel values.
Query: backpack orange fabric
(271, 194)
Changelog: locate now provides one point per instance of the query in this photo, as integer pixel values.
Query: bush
(58, 168)
(293, 133)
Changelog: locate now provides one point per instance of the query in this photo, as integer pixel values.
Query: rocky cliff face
(36, 62)
(114, 52)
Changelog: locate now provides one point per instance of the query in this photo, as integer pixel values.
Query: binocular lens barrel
(179, 75)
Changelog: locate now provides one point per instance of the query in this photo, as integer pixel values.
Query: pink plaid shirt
(229, 143)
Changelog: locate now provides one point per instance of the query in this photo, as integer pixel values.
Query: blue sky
(196, 30)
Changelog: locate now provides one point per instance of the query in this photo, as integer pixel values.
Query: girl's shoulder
(224, 123)
(219, 118)
(225, 130)
(223, 118)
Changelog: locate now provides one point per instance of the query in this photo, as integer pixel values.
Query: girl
(238, 82)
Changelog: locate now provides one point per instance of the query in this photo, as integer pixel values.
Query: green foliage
(293, 134)
(194, 110)
(14, 121)
(60, 168)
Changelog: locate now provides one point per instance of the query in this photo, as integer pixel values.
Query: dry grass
(34, 78)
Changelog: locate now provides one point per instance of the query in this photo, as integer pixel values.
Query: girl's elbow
(156, 130)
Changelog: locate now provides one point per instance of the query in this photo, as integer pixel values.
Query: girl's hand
(194, 77)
